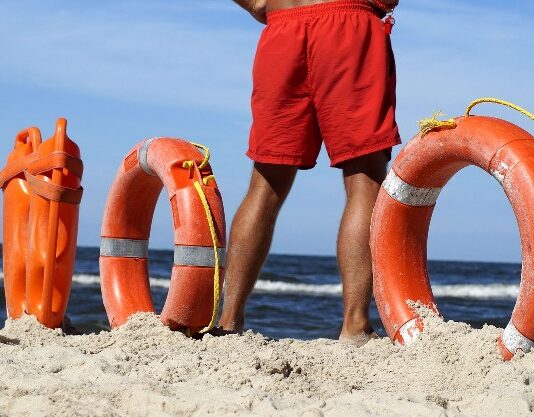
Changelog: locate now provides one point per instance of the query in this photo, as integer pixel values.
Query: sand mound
(144, 369)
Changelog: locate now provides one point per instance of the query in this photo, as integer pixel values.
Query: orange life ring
(404, 207)
(199, 235)
(42, 192)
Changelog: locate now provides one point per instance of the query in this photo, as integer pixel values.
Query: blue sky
(123, 71)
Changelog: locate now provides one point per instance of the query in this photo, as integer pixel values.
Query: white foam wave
(94, 280)
(491, 291)
(473, 291)
(297, 288)
(476, 291)
(83, 279)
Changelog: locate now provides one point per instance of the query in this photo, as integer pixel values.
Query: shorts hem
(335, 161)
(281, 160)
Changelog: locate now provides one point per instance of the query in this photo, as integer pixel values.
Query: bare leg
(362, 177)
(250, 238)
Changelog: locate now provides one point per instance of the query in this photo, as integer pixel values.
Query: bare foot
(358, 339)
(232, 322)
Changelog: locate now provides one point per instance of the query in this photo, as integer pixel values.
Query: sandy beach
(144, 369)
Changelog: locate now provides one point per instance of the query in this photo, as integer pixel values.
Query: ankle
(232, 320)
(355, 325)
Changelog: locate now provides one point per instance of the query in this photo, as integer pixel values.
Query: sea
(300, 296)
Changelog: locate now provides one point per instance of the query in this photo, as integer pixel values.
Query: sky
(124, 71)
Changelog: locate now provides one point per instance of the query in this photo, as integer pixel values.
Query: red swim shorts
(324, 72)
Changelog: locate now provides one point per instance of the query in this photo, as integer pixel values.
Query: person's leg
(362, 177)
(250, 238)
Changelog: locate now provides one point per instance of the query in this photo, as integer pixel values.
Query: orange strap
(35, 165)
(31, 165)
(52, 191)
(16, 168)
(57, 160)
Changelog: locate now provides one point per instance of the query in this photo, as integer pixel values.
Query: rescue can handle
(32, 134)
(60, 134)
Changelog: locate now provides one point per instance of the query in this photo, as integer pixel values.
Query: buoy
(42, 192)
(199, 235)
(404, 207)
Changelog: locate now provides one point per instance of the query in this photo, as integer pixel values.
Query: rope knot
(433, 123)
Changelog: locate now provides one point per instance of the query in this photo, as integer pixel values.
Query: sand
(144, 369)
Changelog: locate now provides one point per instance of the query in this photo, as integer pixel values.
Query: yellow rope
(208, 178)
(206, 154)
(216, 286)
(498, 101)
(432, 123)
(188, 165)
(209, 217)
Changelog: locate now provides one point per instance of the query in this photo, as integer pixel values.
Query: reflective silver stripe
(143, 157)
(123, 248)
(198, 256)
(408, 194)
(409, 331)
(514, 341)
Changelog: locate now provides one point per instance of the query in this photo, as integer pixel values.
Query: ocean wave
(477, 291)
(83, 279)
(473, 291)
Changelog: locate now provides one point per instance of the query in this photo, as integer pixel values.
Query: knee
(370, 169)
(270, 184)
(265, 198)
